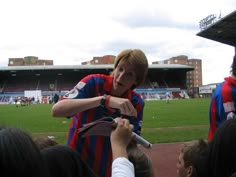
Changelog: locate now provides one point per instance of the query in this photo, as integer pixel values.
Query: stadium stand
(15, 80)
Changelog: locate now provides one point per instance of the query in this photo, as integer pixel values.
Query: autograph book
(104, 127)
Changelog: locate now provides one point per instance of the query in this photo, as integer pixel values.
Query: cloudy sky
(72, 31)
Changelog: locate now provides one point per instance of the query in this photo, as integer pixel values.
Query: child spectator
(192, 159)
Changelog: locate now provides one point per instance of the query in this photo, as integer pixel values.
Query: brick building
(106, 59)
(28, 60)
(193, 78)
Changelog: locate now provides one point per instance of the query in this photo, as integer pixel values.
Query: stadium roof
(223, 31)
(82, 70)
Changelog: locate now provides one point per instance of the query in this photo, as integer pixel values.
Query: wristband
(103, 101)
(107, 99)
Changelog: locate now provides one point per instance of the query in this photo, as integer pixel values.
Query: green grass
(181, 120)
(36, 120)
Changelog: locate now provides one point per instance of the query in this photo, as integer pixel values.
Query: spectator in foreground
(192, 159)
(222, 151)
(120, 139)
(141, 161)
(44, 142)
(66, 162)
(62, 161)
(19, 155)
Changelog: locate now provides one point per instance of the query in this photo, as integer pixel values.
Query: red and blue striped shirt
(223, 101)
(96, 150)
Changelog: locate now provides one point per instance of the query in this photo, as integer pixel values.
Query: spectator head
(222, 151)
(142, 163)
(192, 159)
(19, 155)
(43, 142)
(62, 161)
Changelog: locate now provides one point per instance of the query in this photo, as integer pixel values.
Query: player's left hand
(124, 105)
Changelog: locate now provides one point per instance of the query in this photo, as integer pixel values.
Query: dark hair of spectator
(195, 155)
(43, 142)
(142, 163)
(63, 161)
(222, 150)
(19, 155)
(233, 66)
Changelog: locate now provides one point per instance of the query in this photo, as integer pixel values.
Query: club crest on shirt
(80, 85)
(140, 123)
(72, 93)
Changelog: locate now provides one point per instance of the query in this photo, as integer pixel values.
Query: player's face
(124, 78)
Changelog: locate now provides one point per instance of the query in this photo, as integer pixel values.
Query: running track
(164, 157)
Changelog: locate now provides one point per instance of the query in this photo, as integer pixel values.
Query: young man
(97, 96)
(223, 101)
(192, 159)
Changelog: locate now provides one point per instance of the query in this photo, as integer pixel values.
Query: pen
(141, 140)
(137, 138)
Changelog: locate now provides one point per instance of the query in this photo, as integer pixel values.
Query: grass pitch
(180, 120)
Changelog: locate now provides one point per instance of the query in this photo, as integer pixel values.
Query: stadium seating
(49, 83)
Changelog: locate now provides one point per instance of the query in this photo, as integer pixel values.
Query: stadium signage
(209, 20)
(208, 89)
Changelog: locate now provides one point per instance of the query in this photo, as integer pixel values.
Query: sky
(72, 31)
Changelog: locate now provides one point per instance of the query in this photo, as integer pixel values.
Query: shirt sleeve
(137, 122)
(122, 167)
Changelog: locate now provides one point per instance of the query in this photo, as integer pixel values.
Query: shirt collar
(230, 80)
